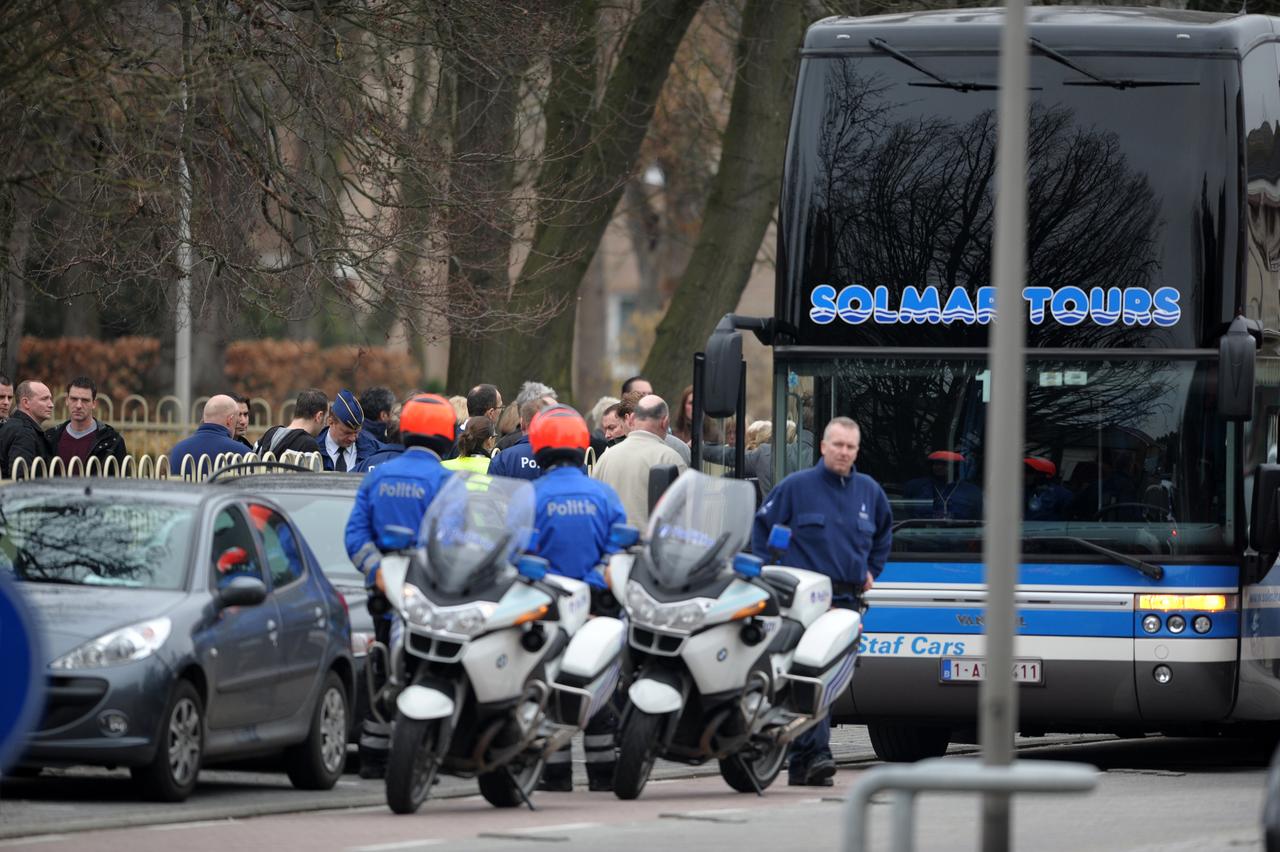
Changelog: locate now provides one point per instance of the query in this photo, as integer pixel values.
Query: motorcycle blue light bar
(532, 567)
(622, 536)
(779, 537)
(747, 565)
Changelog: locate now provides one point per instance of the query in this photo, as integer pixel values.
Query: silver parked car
(184, 625)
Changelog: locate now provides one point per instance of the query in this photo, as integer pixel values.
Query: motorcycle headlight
(135, 642)
(688, 616)
(464, 621)
(417, 609)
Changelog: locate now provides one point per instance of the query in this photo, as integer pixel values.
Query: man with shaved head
(21, 436)
(625, 466)
(212, 438)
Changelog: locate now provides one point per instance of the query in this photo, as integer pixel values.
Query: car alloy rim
(184, 741)
(333, 730)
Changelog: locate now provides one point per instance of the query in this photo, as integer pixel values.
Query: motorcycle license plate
(968, 669)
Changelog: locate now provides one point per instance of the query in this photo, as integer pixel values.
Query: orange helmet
(428, 416)
(558, 428)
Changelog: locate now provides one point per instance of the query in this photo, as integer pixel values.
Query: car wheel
(171, 775)
(316, 762)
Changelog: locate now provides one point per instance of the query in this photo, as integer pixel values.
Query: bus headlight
(1176, 624)
(1202, 624)
(1151, 623)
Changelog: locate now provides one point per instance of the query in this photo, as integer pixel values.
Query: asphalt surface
(84, 799)
(1152, 794)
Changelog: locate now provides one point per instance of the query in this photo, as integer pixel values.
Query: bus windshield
(1128, 454)
(888, 203)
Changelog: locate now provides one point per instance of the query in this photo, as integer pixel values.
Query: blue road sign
(21, 683)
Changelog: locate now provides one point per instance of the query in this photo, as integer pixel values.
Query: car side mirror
(243, 591)
(1237, 356)
(1264, 527)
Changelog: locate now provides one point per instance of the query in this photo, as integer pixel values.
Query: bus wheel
(897, 743)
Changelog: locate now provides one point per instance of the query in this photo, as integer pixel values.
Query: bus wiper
(1096, 80)
(959, 85)
(941, 522)
(1155, 572)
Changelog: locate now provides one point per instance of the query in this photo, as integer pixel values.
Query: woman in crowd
(475, 446)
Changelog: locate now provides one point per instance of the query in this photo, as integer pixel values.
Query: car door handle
(271, 631)
(320, 619)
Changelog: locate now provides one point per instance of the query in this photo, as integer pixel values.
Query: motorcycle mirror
(747, 565)
(779, 538)
(622, 536)
(532, 567)
(396, 538)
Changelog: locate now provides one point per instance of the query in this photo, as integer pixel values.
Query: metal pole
(1004, 437)
(695, 428)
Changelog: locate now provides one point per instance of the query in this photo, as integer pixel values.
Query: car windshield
(96, 541)
(1127, 453)
(698, 524)
(322, 518)
(472, 528)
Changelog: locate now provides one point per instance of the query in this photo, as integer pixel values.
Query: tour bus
(1147, 600)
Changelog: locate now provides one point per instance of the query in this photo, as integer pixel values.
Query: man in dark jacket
(343, 444)
(841, 526)
(377, 402)
(299, 435)
(83, 436)
(240, 431)
(211, 439)
(6, 397)
(21, 436)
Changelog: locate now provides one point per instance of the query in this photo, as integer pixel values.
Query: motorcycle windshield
(697, 526)
(472, 528)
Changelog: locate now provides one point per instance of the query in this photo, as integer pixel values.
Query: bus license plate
(964, 669)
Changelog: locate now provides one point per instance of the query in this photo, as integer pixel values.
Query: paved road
(1154, 794)
(83, 799)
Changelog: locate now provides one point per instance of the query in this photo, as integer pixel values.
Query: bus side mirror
(722, 370)
(1237, 353)
(1264, 527)
(660, 478)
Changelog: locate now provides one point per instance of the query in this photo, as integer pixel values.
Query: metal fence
(147, 466)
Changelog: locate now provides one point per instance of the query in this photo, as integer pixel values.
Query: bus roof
(1084, 29)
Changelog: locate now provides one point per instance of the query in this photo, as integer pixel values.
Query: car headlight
(135, 642)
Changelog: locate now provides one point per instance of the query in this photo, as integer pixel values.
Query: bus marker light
(1211, 603)
(1151, 623)
(1202, 624)
(1162, 674)
(1176, 624)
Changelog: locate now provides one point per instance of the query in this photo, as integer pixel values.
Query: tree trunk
(743, 194)
(568, 235)
(16, 221)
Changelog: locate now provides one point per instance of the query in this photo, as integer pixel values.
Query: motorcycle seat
(787, 637)
(783, 586)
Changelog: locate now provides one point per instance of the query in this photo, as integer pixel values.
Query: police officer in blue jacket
(387, 515)
(518, 460)
(344, 445)
(574, 516)
(841, 526)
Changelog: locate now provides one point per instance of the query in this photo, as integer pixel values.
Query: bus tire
(901, 743)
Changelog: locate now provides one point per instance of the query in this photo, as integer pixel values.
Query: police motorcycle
(731, 660)
(493, 665)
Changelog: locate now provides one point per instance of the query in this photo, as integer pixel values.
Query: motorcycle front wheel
(637, 752)
(753, 769)
(513, 784)
(413, 764)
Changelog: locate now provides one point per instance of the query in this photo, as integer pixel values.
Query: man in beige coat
(625, 466)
